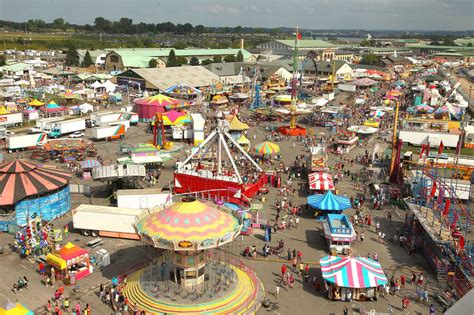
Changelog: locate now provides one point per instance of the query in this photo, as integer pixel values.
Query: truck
(67, 126)
(109, 132)
(11, 119)
(101, 118)
(130, 116)
(142, 198)
(25, 141)
(92, 220)
(47, 123)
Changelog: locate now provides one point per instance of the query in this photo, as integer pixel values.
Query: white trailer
(143, 198)
(102, 118)
(67, 126)
(126, 123)
(109, 132)
(91, 220)
(47, 123)
(418, 138)
(25, 141)
(12, 119)
(129, 116)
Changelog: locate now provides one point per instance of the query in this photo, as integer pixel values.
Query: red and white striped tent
(320, 181)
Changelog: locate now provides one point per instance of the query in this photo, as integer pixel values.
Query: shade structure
(4, 111)
(174, 117)
(15, 309)
(266, 147)
(424, 108)
(188, 225)
(352, 272)
(35, 103)
(90, 164)
(69, 95)
(235, 124)
(320, 181)
(148, 107)
(20, 179)
(329, 202)
(364, 82)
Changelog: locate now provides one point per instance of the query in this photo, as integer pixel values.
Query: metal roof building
(163, 78)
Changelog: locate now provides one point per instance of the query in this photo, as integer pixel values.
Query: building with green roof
(128, 58)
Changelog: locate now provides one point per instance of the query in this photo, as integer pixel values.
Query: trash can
(102, 257)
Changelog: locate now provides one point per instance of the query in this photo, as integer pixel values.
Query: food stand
(346, 142)
(70, 262)
(352, 278)
(339, 233)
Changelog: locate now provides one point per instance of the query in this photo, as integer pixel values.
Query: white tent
(96, 85)
(109, 86)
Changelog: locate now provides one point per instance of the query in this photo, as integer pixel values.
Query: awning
(320, 181)
(348, 272)
(329, 202)
(56, 261)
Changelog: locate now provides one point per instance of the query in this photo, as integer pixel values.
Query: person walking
(277, 290)
(431, 309)
(405, 303)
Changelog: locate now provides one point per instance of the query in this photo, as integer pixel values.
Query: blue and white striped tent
(329, 202)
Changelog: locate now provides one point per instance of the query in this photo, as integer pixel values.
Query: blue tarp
(329, 202)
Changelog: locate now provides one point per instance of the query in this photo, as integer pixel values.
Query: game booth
(339, 233)
(71, 263)
(352, 278)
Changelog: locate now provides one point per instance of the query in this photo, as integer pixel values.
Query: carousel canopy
(266, 147)
(15, 309)
(364, 82)
(320, 181)
(352, 272)
(189, 225)
(329, 201)
(158, 100)
(20, 179)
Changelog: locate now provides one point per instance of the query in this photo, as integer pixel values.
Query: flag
(446, 207)
(458, 146)
(440, 148)
(423, 148)
(299, 36)
(433, 189)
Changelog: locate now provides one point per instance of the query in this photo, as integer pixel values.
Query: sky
(311, 14)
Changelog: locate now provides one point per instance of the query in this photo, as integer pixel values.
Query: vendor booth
(346, 142)
(320, 182)
(339, 233)
(71, 263)
(352, 278)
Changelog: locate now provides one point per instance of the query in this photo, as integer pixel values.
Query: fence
(80, 189)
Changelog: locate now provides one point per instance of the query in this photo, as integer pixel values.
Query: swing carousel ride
(293, 110)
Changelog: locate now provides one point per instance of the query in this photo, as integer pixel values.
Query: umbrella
(329, 201)
(424, 108)
(266, 147)
(35, 103)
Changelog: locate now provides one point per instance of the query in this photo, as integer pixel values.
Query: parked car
(77, 134)
(35, 130)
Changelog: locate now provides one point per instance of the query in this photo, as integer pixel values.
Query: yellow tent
(4, 111)
(235, 124)
(35, 102)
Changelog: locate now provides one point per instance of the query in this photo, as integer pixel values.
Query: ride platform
(288, 131)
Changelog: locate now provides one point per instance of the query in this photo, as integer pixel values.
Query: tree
(229, 58)
(87, 62)
(72, 57)
(3, 60)
(172, 61)
(206, 62)
(199, 29)
(102, 24)
(59, 23)
(181, 61)
(371, 59)
(469, 44)
(153, 63)
(217, 59)
(194, 61)
(240, 56)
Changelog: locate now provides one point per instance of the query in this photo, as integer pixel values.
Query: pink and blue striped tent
(352, 272)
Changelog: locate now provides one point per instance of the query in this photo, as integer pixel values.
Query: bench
(95, 242)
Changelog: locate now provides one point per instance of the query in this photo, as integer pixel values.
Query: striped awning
(329, 202)
(320, 181)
